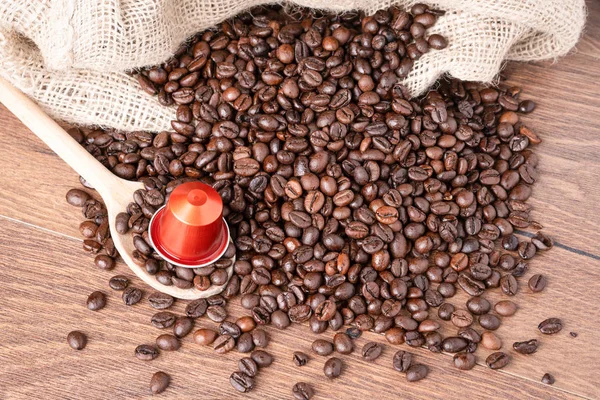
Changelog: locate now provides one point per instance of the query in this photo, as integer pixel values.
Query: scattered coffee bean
(537, 283)
(159, 382)
(183, 326)
(167, 342)
(132, 296)
(548, 379)
(416, 372)
(527, 347)
(497, 360)
(464, 361)
(241, 382)
(96, 301)
(402, 361)
(333, 368)
(322, 347)
(550, 326)
(146, 352)
(77, 340)
(300, 359)
(118, 282)
(302, 391)
(247, 366)
(205, 337)
(371, 351)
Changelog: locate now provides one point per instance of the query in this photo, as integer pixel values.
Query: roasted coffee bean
(527, 347)
(163, 319)
(247, 366)
(300, 359)
(183, 326)
(548, 379)
(167, 342)
(205, 336)
(77, 340)
(159, 382)
(245, 343)
(333, 368)
(241, 382)
(146, 352)
(402, 361)
(322, 347)
(537, 283)
(371, 351)
(216, 313)
(132, 296)
(158, 300)
(505, 308)
(196, 308)
(550, 326)
(342, 343)
(461, 318)
(118, 282)
(490, 341)
(489, 321)
(416, 372)
(260, 338)
(454, 344)
(96, 301)
(262, 358)
(464, 361)
(497, 360)
(302, 391)
(223, 344)
(77, 197)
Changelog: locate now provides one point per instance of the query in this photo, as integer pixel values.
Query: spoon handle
(57, 139)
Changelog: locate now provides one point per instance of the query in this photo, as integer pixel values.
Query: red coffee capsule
(189, 230)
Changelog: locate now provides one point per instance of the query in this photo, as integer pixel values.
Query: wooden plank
(45, 287)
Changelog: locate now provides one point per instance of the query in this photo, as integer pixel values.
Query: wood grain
(46, 279)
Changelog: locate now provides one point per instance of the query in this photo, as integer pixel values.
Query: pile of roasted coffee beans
(348, 202)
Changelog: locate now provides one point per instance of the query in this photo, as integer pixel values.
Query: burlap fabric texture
(70, 55)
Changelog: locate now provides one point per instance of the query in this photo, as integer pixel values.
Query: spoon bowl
(117, 193)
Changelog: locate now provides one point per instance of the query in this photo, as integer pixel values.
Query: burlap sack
(69, 55)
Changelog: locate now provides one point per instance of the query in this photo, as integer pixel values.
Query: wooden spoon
(117, 193)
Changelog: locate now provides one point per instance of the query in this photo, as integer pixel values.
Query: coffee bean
(260, 338)
(216, 313)
(537, 283)
(454, 344)
(489, 321)
(118, 282)
(333, 368)
(497, 360)
(77, 197)
(167, 342)
(548, 379)
(342, 343)
(241, 382)
(490, 341)
(159, 382)
(146, 352)
(302, 391)
(464, 361)
(196, 308)
(371, 351)
(505, 308)
(461, 318)
(163, 319)
(527, 347)
(402, 361)
(132, 296)
(245, 343)
(416, 372)
(96, 301)
(322, 347)
(159, 301)
(262, 358)
(300, 359)
(223, 344)
(183, 326)
(77, 340)
(550, 326)
(205, 337)
(247, 366)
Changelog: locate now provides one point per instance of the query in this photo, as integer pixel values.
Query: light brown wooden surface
(46, 279)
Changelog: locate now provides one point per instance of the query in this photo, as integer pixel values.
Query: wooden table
(46, 279)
